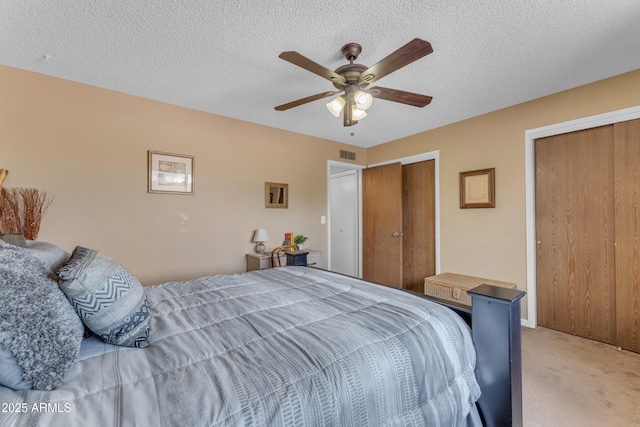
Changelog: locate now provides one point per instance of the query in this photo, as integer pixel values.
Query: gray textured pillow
(108, 299)
(38, 326)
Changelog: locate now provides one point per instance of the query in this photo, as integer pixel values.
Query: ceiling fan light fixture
(363, 99)
(336, 106)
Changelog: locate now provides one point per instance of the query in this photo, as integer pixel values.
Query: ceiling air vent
(349, 155)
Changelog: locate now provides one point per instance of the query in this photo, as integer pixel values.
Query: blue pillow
(11, 373)
(106, 296)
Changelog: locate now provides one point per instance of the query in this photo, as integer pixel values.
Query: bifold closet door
(398, 216)
(627, 231)
(419, 219)
(575, 269)
(382, 224)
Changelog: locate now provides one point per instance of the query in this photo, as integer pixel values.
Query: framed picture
(477, 189)
(276, 195)
(288, 239)
(170, 173)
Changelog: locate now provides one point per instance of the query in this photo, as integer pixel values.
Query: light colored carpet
(572, 381)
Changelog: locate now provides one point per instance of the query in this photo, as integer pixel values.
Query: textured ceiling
(222, 56)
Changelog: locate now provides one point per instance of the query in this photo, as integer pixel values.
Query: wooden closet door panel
(627, 203)
(575, 277)
(381, 218)
(419, 218)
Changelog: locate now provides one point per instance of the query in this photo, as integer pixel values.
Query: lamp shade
(358, 114)
(260, 235)
(363, 99)
(336, 106)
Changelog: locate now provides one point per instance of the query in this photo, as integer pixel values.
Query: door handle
(396, 234)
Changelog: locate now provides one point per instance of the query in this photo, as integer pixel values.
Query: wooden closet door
(627, 203)
(382, 224)
(419, 219)
(575, 277)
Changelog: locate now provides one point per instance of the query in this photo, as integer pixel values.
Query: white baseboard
(525, 322)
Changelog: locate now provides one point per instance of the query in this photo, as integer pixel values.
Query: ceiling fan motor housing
(351, 73)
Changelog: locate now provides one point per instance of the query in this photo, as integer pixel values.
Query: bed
(287, 346)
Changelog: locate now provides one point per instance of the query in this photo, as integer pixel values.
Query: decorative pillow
(12, 374)
(38, 326)
(108, 299)
(53, 256)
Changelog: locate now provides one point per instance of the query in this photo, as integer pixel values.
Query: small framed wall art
(170, 173)
(276, 195)
(477, 189)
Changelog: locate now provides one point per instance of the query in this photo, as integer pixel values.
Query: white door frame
(435, 156)
(530, 176)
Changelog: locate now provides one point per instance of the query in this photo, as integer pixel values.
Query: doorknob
(396, 234)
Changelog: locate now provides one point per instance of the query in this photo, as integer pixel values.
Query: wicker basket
(454, 287)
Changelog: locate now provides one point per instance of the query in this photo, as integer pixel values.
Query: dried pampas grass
(10, 210)
(22, 210)
(34, 206)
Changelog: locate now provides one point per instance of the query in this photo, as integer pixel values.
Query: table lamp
(260, 236)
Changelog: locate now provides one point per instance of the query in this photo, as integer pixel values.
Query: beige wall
(490, 243)
(88, 147)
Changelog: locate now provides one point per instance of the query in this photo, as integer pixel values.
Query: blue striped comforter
(288, 346)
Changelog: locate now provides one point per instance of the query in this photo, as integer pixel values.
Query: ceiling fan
(354, 78)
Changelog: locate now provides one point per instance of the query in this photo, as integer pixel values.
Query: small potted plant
(299, 240)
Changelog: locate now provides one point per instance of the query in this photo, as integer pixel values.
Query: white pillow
(53, 256)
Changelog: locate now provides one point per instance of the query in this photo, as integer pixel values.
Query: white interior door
(344, 201)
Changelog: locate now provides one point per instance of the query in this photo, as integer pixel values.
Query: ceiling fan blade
(409, 98)
(305, 100)
(296, 59)
(408, 53)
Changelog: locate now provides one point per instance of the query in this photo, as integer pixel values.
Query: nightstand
(314, 258)
(297, 258)
(261, 262)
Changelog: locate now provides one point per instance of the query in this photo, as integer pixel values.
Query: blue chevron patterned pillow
(106, 296)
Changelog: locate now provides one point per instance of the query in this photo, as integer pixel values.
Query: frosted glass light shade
(363, 99)
(358, 114)
(336, 106)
